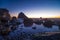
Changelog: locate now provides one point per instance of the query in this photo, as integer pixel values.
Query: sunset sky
(32, 8)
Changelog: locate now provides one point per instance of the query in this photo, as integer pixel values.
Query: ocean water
(21, 29)
(39, 28)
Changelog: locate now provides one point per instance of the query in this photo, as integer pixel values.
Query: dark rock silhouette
(13, 22)
(4, 16)
(28, 22)
(48, 23)
(22, 15)
(4, 13)
(41, 18)
(14, 18)
(4, 21)
(38, 22)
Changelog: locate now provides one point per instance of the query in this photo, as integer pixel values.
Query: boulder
(22, 15)
(28, 22)
(4, 20)
(48, 23)
(38, 22)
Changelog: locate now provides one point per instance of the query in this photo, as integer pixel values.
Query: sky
(32, 8)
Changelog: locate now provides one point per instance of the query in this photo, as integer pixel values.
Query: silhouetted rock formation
(13, 23)
(22, 15)
(38, 22)
(4, 13)
(22, 18)
(13, 20)
(28, 22)
(4, 21)
(48, 23)
(41, 18)
(4, 16)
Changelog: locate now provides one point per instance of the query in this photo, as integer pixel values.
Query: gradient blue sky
(32, 8)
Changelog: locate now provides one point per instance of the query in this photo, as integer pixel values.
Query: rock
(4, 20)
(22, 15)
(48, 23)
(38, 22)
(4, 14)
(28, 22)
(33, 27)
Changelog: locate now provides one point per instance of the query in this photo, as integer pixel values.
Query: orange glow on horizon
(39, 17)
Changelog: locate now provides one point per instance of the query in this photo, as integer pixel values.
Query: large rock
(48, 23)
(28, 22)
(24, 19)
(4, 21)
(22, 15)
(13, 23)
(13, 20)
(4, 14)
(38, 22)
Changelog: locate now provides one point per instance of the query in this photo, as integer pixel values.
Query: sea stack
(22, 18)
